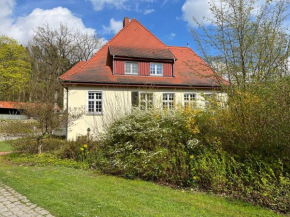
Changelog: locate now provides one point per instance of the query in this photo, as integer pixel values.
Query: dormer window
(156, 69)
(131, 68)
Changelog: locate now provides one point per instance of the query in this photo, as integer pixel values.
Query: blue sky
(169, 20)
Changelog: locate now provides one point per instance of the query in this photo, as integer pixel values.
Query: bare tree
(53, 52)
(251, 44)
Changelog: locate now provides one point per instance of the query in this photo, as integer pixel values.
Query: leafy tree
(15, 69)
(248, 45)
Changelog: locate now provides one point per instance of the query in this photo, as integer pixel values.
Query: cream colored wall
(116, 103)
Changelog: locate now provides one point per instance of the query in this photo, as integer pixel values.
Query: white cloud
(172, 36)
(148, 11)
(197, 8)
(100, 4)
(22, 28)
(115, 26)
(6, 8)
(200, 9)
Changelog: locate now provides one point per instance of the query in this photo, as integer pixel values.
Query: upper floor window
(189, 100)
(131, 68)
(95, 102)
(156, 69)
(168, 100)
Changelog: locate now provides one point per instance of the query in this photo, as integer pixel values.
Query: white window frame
(155, 69)
(195, 99)
(146, 100)
(95, 100)
(131, 68)
(168, 101)
(206, 102)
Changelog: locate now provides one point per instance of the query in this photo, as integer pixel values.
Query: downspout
(173, 68)
(113, 64)
(67, 113)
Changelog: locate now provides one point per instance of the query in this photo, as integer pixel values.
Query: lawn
(5, 147)
(72, 192)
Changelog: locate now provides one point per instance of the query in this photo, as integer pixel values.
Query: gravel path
(13, 204)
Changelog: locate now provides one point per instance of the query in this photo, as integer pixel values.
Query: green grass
(71, 192)
(5, 147)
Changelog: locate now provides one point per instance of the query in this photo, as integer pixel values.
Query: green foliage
(150, 145)
(15, 68)
(183, 148)
(256, 121)
(17, 127)
(45, 160)
(30, 145)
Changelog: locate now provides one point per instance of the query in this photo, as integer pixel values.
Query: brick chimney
(126, 21)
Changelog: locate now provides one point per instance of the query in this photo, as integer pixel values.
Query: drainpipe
(173, 68)
(113, 64)
(67, 113)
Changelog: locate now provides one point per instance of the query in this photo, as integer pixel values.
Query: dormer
(148, 57)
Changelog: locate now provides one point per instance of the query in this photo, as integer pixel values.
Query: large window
(131, 68)
(95, 102)
(168, 100)
(208, 99)
(156, 69)
(142, 100)
(189, 100)
(146, 100)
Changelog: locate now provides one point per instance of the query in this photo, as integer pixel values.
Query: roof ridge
(87, 62)
(149, 31)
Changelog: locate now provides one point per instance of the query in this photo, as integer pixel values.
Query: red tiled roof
(10, 105)
(19, 105)
(189, 68)
(148, 53)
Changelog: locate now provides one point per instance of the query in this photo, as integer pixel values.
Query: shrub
(150, 145)
(30, 145)
(175, 147)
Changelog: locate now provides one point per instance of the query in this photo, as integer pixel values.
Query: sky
(169, 20)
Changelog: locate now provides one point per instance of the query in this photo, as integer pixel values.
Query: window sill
(94, 114)
(156, 75)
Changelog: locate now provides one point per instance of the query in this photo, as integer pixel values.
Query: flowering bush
(151, 145)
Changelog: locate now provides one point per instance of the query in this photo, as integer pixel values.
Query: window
(135, 99)
(146, 101)
(142, 100)
(168, 100)
(156, 68)
(189, 100)
(131, 68)
(95, 102)
(208, 98)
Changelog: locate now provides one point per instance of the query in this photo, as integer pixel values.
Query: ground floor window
(146, 101)
(190, 100)
(168, 100)
(95, 102)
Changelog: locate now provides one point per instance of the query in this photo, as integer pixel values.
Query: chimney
(126, 21)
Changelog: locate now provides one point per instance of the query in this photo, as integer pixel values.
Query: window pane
(127, 67)
(135, 68)
(152, 68)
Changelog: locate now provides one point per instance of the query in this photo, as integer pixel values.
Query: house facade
(134, 69)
